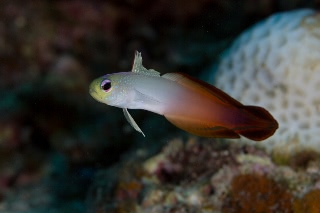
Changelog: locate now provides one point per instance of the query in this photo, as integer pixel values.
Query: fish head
(113, 89)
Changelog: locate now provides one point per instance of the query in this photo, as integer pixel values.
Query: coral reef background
(279, 56)
(62, 151)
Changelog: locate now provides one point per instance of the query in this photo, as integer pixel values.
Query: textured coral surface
(308, 203)
(276, 64)
(244, 178)
(256, 193)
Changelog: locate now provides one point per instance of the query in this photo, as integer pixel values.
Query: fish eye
(106, 85)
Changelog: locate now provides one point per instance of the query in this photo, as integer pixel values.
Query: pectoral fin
(131, 121)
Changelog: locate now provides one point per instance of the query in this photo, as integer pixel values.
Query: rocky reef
(208, 176)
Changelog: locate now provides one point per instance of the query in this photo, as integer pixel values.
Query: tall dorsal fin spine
(138, 68)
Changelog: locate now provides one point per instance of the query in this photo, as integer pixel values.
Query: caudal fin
(262, 124)
(257, 134)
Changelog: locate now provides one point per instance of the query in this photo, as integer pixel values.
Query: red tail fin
(263, 127)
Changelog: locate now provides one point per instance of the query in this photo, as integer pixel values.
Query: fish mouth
(94, 94)
(92, 91)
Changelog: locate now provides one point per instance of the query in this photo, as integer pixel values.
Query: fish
(188, 103)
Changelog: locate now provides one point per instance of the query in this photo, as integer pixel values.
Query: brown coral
(191, 161)
(302, 159)
(255, 193)
(309, 203)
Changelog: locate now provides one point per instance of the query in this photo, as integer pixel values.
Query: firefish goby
(190, 104)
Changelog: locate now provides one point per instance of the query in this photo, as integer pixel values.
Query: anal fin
(201, 128)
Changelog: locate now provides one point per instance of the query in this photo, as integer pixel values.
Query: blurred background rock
(54, 138)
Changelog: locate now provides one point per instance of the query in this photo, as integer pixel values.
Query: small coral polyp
(276, 65)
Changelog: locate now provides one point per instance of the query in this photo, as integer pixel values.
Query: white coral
(276, 64)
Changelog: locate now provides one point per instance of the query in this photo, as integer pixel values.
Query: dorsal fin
(173, 76)
(202, 87)
(137, 66)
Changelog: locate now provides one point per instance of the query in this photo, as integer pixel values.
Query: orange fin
(252, 122)
(252, 128)
(263, 126)
(261, 113)
(257, 134)
(201, 129)
(203, 88)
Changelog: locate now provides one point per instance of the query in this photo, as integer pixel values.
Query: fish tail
(260, 125)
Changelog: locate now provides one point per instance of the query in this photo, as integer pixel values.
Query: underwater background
(61, 151)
